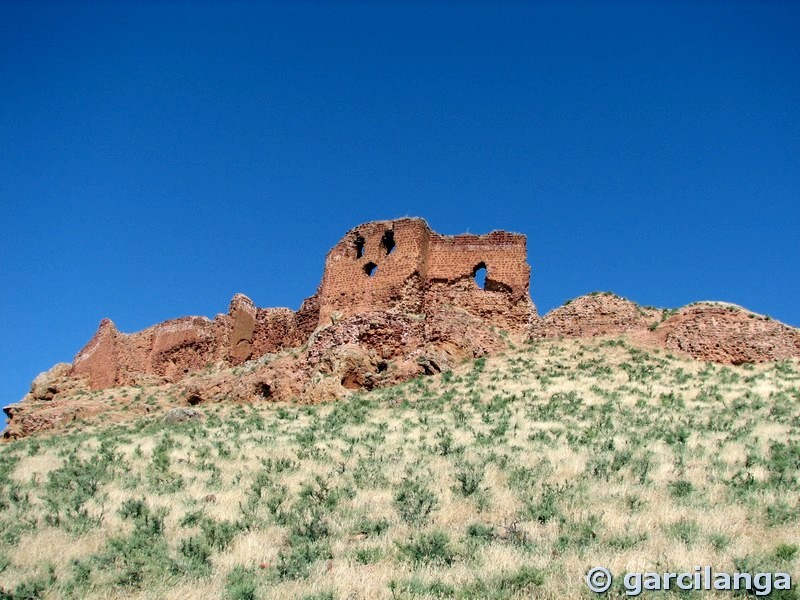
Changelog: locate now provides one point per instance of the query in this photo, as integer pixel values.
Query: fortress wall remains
(398, 265)
(419, 271)
(369, 269)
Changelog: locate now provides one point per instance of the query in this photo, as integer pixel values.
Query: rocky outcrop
(599, 313)
(396, 300)
(726, 333)
(708, 331)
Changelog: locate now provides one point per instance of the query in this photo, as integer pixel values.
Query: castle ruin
(400, 265)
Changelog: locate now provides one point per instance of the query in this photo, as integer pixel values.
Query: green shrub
(143, 554)
(469, 478)
(414, 502)
(366, 556)
(294, 562)
(218, 534)
(780, 513)
(33, 589)
(680, 488)
(578, 534)
(481, 532)
(241, 584)
(545, 507)
(685, 530)
(524, 580)
(195, 553)
(719, 541)
(70, 487)
(429, 547)
(786, 552)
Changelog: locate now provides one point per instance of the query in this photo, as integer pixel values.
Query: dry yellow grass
(573, 454)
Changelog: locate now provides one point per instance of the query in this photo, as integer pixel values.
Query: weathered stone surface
(396, 300)
(728, 334)
(98, 360)
(403, 266)
(181, 414)
(708, 331)
(243, 314)
(596, 314)
(46, 386)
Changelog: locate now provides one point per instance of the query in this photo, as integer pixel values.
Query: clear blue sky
(157, 158)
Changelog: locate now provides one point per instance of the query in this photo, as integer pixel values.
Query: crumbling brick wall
(375, 266)
(452, 264)
(175, 348)
(398, 265)
(403, 265)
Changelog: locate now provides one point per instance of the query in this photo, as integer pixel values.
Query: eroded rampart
(396, 300)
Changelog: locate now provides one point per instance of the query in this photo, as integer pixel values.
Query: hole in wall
(479, 274)
(431, 367)
(194, 400)
(369, 268)
(351, 381)
(264, 390)
(359, 244)
(387, 241)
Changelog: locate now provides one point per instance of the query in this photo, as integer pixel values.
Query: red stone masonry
(404, 270)
(363, 274)
(396, 300)
(403, 265)
(396, 265)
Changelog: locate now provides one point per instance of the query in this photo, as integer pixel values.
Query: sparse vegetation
(507, 477)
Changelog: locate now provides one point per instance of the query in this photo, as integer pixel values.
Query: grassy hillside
(509, 477)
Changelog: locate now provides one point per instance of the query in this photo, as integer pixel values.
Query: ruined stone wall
(398, 266)
(175, 348)
(179, 347)
(168, 350)
(276, 329)
(306, 318)
(97, 361)
(254, 331)
(452, 263)
(502, 254)
(403, 265)
(375, 266)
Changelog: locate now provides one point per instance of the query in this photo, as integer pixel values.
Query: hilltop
(396, 300)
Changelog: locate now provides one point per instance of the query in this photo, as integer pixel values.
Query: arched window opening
(387, 242)
(369, 268)
(479, 274)
(359, 246)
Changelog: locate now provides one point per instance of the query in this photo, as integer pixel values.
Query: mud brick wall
(405, 266)
(398, 265)
(365, 272)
